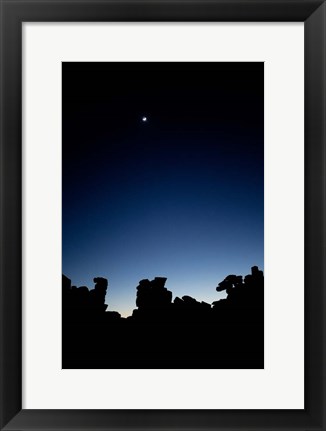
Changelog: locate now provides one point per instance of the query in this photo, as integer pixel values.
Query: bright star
(144, 119)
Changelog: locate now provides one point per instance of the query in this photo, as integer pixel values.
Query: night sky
(180, 195)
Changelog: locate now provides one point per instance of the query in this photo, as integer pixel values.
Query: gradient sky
(180, 195)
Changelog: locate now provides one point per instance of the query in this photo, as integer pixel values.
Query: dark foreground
(184, 333)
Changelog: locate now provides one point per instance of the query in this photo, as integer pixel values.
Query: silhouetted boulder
(82, 304)
(153, 294)
(178, 301)
(97, 295)
(245, 298)
(229, 282)
(190, 310)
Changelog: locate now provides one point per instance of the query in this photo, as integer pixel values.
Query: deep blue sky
(179, 196)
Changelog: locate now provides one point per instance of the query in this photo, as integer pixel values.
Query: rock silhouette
(161, 333)
(153, 299)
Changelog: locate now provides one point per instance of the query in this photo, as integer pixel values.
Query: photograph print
(162, 215)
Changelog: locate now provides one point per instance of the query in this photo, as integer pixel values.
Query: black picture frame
(13, 14)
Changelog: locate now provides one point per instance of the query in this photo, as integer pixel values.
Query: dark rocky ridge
(162, 333)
